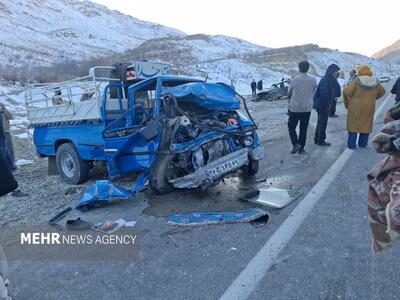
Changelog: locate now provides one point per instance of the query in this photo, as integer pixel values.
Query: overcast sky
(348, 25)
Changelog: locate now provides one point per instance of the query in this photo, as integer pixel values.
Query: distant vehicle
(175, 131)
(277, 91)
(384, 79)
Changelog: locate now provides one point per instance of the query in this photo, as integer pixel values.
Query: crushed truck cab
(177, 132)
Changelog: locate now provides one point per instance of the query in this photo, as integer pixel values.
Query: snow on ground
(229, 60)
(23, 162)
(349, 61)
(207, 47)
(15, 103)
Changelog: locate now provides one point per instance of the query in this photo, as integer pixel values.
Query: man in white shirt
(300, 94)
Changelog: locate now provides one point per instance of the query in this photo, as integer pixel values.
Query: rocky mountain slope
(234, 61)
(390, 54)
(54, 31)
(42, 32)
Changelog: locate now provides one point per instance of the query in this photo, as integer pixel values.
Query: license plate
(224, 168)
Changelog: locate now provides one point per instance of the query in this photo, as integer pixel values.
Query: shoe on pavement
(295, 149)
(301, 150)
(334, 116)
(324, 144)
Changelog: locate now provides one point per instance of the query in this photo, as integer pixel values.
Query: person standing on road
(300, 95)
(360, 99)
(6, 144)
(3, 276)
(396, 90)
(353, 75)
(260, 85)
(328, 89)
(7, 182)
(253, 88)
(384, 186)
(332, 110)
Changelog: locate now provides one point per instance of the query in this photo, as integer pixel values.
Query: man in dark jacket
(396, 90)
(7, 182)
(332, 110)
(253, 88)
(328, 89)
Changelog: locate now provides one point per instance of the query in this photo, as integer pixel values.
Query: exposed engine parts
(188, 123)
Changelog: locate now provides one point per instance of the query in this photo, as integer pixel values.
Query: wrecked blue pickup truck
(176, 132)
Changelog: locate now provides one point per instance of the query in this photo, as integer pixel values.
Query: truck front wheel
(161, 172)
(70, 166)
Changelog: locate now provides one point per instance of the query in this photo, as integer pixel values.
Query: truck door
(133, 147)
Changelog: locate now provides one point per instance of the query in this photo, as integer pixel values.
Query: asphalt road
(327, 258)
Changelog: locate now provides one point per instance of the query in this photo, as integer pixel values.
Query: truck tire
(158, 175)
(252, 168)
(272, 97)
(70, 166)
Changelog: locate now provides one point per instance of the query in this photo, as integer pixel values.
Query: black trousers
(7, 182)
(294, 119)
(333, 108)
(320, 131)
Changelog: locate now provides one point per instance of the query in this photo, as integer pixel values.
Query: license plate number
(226, 167)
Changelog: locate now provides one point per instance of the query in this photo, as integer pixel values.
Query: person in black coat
(260, 85)
(396, 90)
(7, 182)
(328, 89)
(332, 110)
(253, 88)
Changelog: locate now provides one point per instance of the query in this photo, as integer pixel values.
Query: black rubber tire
(261, 97)
(272, 97)
(252, 168)
(158, 175)
(82, 167)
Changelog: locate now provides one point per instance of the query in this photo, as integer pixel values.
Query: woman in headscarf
(360, 99)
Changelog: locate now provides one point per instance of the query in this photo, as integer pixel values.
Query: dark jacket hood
(332, 69)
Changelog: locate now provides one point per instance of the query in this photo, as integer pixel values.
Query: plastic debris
(110, 227)
(23, 162)
(272, 197)
(207, 218)
(101, 193)
(173, 240)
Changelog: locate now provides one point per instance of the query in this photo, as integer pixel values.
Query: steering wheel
(141, 114)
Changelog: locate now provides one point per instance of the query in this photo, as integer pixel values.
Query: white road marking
(248, 279)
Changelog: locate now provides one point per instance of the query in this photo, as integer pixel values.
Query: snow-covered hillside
(50, 31)
(230, 60)
(43, 32)
(391, 53)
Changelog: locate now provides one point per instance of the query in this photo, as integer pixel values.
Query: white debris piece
(22, 162)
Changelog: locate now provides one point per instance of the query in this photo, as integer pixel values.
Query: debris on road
(173, 240)
(272, 197)
(110, 227)
(53, 221)
(23, 162)
(261, 180)
(101, 193)
(207, 218)
(77, 224)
